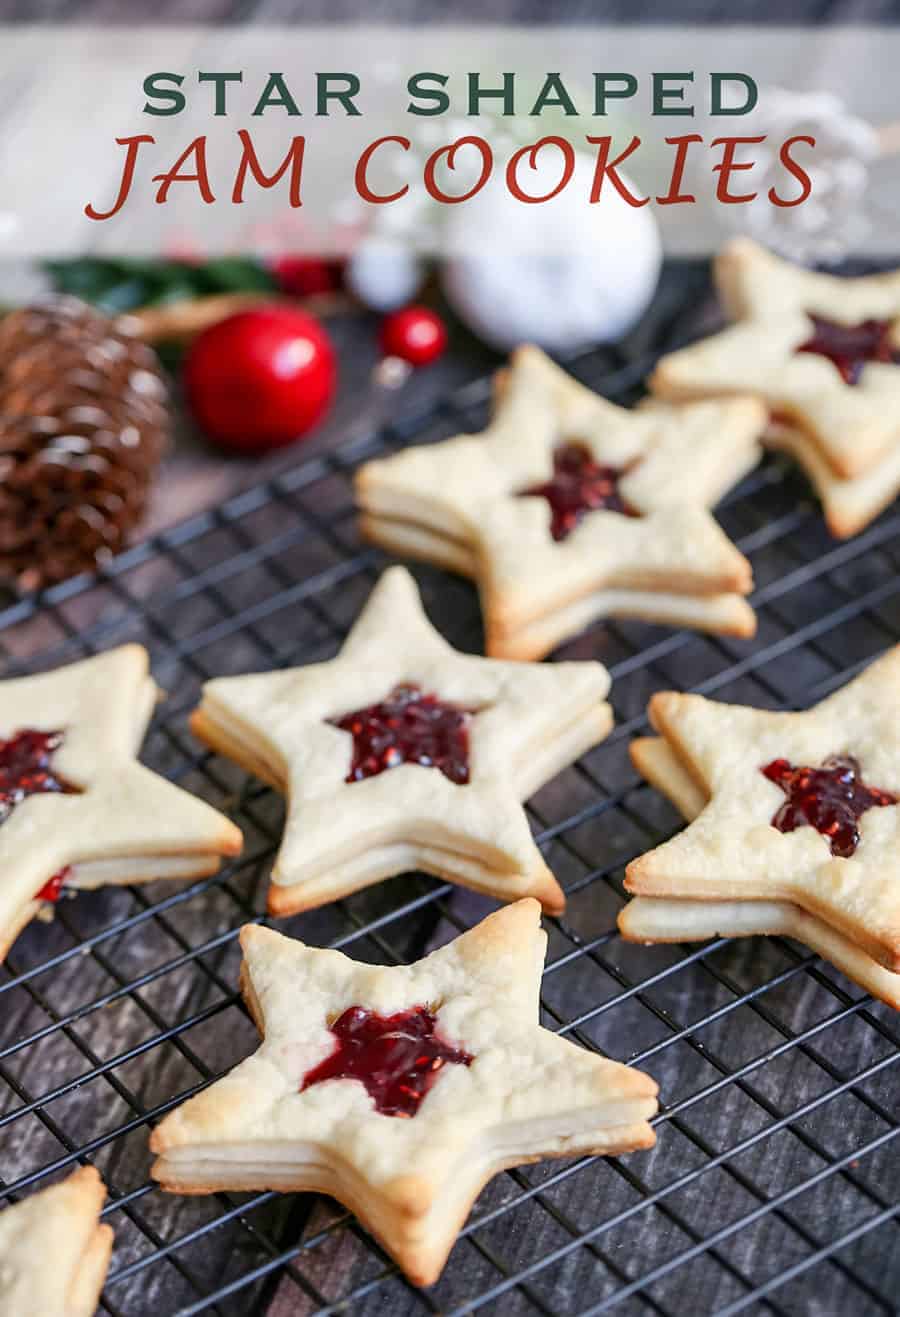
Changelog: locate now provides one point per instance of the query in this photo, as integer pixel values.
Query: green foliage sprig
(120, 284)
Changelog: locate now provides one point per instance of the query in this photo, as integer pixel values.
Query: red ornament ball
(416, 334)
(261, 378)
(306, 276)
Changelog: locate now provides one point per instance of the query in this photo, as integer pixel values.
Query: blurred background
(397, 304)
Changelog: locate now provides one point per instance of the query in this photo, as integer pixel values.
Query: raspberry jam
(408, 727)
(830, 799)
(849, 347)
(25, 768)
(397, 1057)
(579, 484)
(52, 888)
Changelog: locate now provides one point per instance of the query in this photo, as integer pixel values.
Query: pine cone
(83, 424)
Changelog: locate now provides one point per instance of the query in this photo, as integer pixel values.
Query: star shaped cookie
(569, 508)
(76, 808)
(793, 807)
(753, 283)
(54, 1254)
(849, 503)
(823, 353)
(402, 753)
(652, 919)
(401, 1091)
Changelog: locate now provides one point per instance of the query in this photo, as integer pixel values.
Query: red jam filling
(849, 347)
(408, 727)
(25, 768)
(830, 799)
(52, 888)
(579, 484)
(397, 1057)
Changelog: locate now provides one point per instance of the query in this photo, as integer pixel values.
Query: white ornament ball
(563, 273)
(384, 274)
(834, 220)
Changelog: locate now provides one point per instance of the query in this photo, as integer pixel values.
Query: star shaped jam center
(830, 799)
(26, 769)
(849, 347)
(408, 727)
(579, 484)
(397, 1057)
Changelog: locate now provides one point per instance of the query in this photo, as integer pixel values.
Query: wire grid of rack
(774, 1183)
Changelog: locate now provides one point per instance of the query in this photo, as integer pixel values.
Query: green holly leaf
(232, 274)
(120, 284)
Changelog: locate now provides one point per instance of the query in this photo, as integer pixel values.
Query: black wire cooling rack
(774, 1183)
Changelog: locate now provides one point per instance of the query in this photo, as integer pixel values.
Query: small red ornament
(306, 276)
(416, 334)
(261, 378)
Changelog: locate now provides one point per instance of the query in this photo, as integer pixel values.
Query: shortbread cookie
(404, 1130)
(848, 503)
(466, 740)
(54, 1254)
(721, 614)
(858, 320)
(651, 919)
(850, 414)
(654, 919)
(754, 283)
(822, 351)
(76, 808)
(802, 807)
(567, 502)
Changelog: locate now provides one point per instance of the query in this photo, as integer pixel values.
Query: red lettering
(784, 155)
(531, 152)
(728, 166)
(487, 164)
(606, 168)
(197, 149)
(249, 160)
(362, 166)
(133, 144)
(675, 196)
